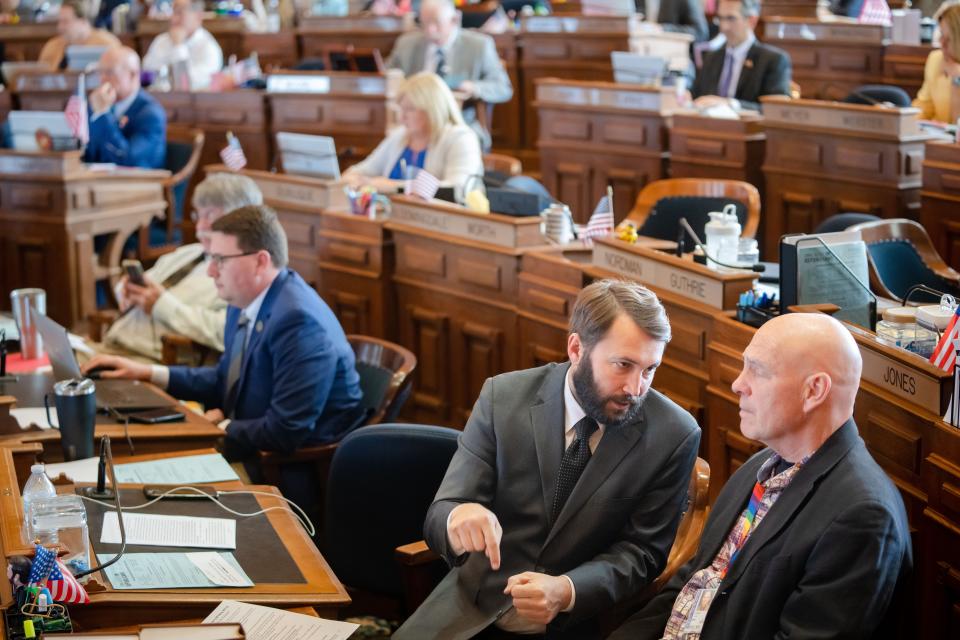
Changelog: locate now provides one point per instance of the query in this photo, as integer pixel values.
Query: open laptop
(120, 395)
(632, 68)
(306, 155)
(80, 57)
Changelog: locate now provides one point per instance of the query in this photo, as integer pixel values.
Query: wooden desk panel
(274, 50)
(595, 134)
(940, 199)
(243, 112)
(23, 42)
(318, 34)
(508, 117)
(903, 66)
(51, 208)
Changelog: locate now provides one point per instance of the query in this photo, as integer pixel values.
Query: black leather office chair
(871, 94)
(843, 221)
(382, 480)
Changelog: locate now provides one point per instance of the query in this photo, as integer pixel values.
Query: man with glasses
(287, 378)
(177, 295)
(128, 126)
(745, 69)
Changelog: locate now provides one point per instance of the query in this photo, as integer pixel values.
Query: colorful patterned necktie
(748, 517)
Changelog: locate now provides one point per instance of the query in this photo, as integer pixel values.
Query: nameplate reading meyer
(823, 32)
(469, 227)
(913, 385)
(850, 118)
(687, 283)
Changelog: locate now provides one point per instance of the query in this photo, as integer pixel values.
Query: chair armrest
(415, 554)
(99, 320)
(170, 345)
(271, 462)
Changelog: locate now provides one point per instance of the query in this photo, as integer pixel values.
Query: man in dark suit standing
(744, 69)
(685, 16)
(128, 126)
(565, 493)
(809, 538)
(287, 377)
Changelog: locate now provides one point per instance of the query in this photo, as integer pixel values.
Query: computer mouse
(94, 374)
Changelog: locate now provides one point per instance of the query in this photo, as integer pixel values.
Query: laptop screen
(56, 342)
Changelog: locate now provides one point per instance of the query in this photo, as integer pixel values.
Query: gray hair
(227, 192)
(602, 302)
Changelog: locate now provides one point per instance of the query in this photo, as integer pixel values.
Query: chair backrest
(529, 185)
(843, 221)
(662, 203)
(385, 372)
(382, 480)
(502, 163)
(901, 254)
(871, 94)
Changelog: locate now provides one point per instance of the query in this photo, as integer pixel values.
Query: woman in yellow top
(942, 71)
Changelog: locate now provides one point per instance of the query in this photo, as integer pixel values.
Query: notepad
(266, 623)
(181, 470)
(174, 571)
(170, 531)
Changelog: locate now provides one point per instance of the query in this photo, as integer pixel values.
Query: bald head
(120, 67)
(799, 382)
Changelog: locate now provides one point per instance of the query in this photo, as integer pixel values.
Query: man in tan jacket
(73, 27)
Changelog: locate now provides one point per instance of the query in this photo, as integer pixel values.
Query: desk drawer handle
(347, 253)
(713, 148)
(547, 302)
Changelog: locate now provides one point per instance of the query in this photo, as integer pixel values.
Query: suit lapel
(794, 496)
(419, 61)
(258, 328)
(713, 69)
(614, 446)
(546, 420)
(748, 72)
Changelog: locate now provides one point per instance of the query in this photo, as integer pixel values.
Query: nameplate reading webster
(687, 283)
(913, 385)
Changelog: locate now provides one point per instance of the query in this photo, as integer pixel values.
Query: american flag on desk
(425, 185)
(601, 221)
(945, 357)
(76, 112)
(49, 571)
(232, 154)
(876, 12)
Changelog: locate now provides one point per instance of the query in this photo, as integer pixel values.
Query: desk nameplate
(632, 99)
(462, 223)
(846, 33)
(280, 189)
(340, 24)
(854, 119)
(667, 274)
(908, 383)
(580, 24)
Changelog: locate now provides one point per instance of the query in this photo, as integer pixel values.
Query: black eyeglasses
(218, 259)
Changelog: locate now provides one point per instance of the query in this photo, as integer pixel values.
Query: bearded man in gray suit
(466, 60)
(566, 489)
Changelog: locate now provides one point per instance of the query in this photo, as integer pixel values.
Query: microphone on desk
(101, 492)
(759, 268)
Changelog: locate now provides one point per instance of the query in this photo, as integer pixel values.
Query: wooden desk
(6, 105)
(318, 34)
(22, 42)
(49, 90)
(829, 59)
(354, 111)
(595, 134)
(457, 298)
(229, 32)
(789, 8)
(109, 607)
(903, 66)
(51, 208)
(508, 117)
(274, 50)
(702, 147)
(825, 158)
(940, 199)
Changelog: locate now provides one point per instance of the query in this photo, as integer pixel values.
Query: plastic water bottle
(38, 487)
(273, 16)
(723, 236)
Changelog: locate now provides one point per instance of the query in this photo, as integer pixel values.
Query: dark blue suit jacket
(138, 140)
(298, 383)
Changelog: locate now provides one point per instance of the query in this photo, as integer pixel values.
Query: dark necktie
(574, 460)
(236, 359)
(441, 63)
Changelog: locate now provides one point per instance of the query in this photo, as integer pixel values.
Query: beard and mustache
(594, 404)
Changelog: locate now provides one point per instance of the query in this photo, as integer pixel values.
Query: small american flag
(601, 222)
(232, 154)
(875, 12)
(425, 185)
(944, 355)
(76, 112)
(48, 570)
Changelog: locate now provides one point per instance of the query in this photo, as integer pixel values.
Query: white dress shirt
(430, 60)
(200, 51)
(739, 54)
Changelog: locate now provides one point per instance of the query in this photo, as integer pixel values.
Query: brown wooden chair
(655, 192)
(184, 146)
(901, 254)
(502, 163)
(385, 372)
(418, 561)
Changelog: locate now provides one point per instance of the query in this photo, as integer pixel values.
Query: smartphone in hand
(134, 271)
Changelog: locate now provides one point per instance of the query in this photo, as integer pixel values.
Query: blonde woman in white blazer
(432, 136)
